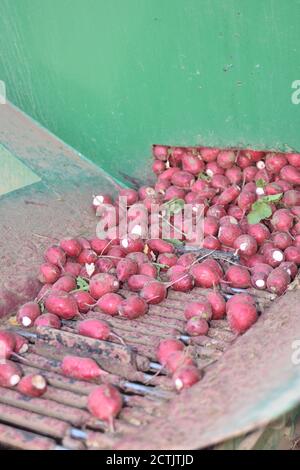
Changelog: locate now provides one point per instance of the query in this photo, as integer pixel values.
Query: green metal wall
(110, 77)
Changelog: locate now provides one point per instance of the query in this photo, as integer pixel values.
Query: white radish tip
(260, 283)
(23, 349)
(260, 165)
(278, 256)
(14, 380)
(178, 384)
(26, 321)
(210, 173)
(243, 246)
(39, 382)
(115, 284)
(260, 191)
(125, 243)
(98, 200)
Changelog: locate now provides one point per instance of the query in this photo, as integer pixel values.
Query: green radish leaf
(174, 241)
(261, 183)
(272, 198)
(260, 210)
(82, 284)
(204, 176)
(160, 265)
(174, 206)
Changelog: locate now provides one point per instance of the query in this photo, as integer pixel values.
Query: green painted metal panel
(13, 173)
(112, 77)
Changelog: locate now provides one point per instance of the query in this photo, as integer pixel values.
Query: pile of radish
(251, 208)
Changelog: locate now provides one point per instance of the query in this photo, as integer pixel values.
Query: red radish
(293, 159)
(228, 233)
(21, 344)
(66, 283)
(234, 175)
(292, 253)
(186, 259)
(245, 245)
(160, 246)
(138, 257)
(48, 320)
(253, 155)
(167, 174)
(262, 175)
(251, 187)
(238, 276)
(291, 198)
(182, 179)
(281, 240)
(87, 257)
(241, 316)
(84, 243)
(126, 268)
(220, 182)
(130, 245)
(209, 154)
(259, 275)
(176, 156)
(158, 167)
(226, 159)
(199, 186)
(227, 220)
(229, 195)
(192, 164)
(161, 187)
(167, 259)
(259, 231)
(243, 160)
(218, 305)
(145, 191)
(100, 199)
(186, 377)
(284, 185)
(275, 162)
(201, 309)
(272, 189)
(282, 220)
(249, 173)
(132, 307)
(137, 281)
(99, 246)
(160, 152)
(212, 168)
(278, 281)
(240, 298)
(7, 344)
(109, 303)
(130, 194)
(211, 243)
(290, 174)
(235, 212)
(197, 326)
(28, 313)
(178, 359)
(105, 403)
(154, 292)
(211, 225)
(166, 347)
(49, 273)
(180, 281)
(252, 261)
(290, 267)
(103, 283)
(115, 254)
(84, 301)
(216, 211)
(148, 269)
(32, 385)
(10, 374)
(273, 257)
(105, 265)
(82, 368)
(61, 304)
(72, 268)
(55, 255)
(205, 276)
(71, 247)
(93, 328)
(245, 200)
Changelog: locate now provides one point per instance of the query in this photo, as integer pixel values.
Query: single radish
(130, 194)
(87, 257)
(7, 345)
(93, 328)
(49, 273)
(240, 298)
(186, 377)
(252, 261)
(148, 269)
(126, 268)
(241, 316)
(273, 257)
(235, 212)
(290, 174)
(216, 211)
(282, 220)
(278, 281)
(28, 313)
(66, 283)
(82, 368)
(209, 154)
(201, 309)
(105, 403)
(55, 255)
(132, 307)
(186, 259)
(218, 305)
(238, 276)
(105, 265)
(226, 159)
(220, 182)
(71, 268)
(48, 320)
(154, 292)
(109, 303)
(291, 198)
(10, 374)
(211, 225)
(249, 173)
(160, 152)
(228, 233)
(183, 179)
(290, 267)
(166, 347)
(130, 245)
(275, 162)
(205, 276)
(245, 200)
(234, 175)
(71, 247)
(180, 281)
(292, 253)
(178, 359)
(259, 231)
(211, 243)
(138, 257)
(61, 304)
(229, 195)
(246, 245)
(192, 164)
(158, 167)
(101, 284)
(160, 246)
(137, 281)
(100, 246)
(293, 159)
(281, 240)
(84, 301)
(196, 326)
(212, 169)
(21, 344)
(33, 385)
(167, 260)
